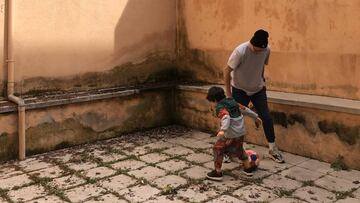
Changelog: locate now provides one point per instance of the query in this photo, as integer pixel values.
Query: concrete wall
(313, 42)
(319, 134)
(65, 125)
(84, 44)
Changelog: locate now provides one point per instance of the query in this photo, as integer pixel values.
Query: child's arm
(248, 112)
(225, 121)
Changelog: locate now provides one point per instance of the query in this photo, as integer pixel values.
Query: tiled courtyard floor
(168, 165)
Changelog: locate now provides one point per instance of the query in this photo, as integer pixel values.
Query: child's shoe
(248, 171)
(214, 175)
(226, 159)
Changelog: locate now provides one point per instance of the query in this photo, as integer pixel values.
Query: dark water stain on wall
(153, 109)
(8, 146)
(155, 68)
(347, 134)
(193, 64)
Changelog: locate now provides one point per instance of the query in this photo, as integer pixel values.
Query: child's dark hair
(215, 94)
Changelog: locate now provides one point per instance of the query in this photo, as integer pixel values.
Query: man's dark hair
(215, 94)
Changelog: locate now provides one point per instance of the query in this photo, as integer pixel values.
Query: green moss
(350, 135)
(338, 164)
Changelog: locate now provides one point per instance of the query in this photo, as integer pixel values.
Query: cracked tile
(228, 183)
(173, 165)
(164, 199)
(301, 174)
(199, 157)
(51, 172)
(47, 199)
(314, 194)
(335, 184)
(315, 165)
(272, 166)
(351, 175)
(195, 172)
(226, 199)
(109, 198)
(81, 166)
(348, 200)
(153, 157)
(27, 193)
(67, 182)
(277, 181)
(149, 173)
(253, 193)
(118, 182)
(15, 181)
(197, 193)
(83, 192)
(129, 164)
(293, 158)
(106, 157)
(99, 172)
(287, 200)
(178, 150)
(33, 165)
(172, 181)
(139, 193)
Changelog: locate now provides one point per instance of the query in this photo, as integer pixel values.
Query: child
(232, 131)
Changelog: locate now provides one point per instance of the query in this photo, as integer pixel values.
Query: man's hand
(258, 122)
(221, 133)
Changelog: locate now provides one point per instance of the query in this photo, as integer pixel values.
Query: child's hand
(258, 122)
(220, 133)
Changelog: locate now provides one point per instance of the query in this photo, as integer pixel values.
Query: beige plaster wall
(314, 43)
(66, 44)
(3, 72)
(322, 135)
(63, 126)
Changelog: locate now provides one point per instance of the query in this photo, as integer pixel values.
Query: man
(245, 71)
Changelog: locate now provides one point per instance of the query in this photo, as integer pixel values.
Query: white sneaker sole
(214, 178)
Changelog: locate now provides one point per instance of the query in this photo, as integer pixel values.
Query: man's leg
(259, 100)
(240, 96)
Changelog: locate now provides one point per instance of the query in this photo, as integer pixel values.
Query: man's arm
(227, 79)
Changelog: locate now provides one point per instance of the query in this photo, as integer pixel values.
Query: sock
(271, 145)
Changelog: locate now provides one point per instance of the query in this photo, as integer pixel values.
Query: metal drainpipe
(11, 82)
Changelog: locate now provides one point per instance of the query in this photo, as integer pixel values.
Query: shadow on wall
(143, 51)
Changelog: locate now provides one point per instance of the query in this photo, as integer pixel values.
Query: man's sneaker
(214, 175)
(276, 156)
(248, 171)
(226, 159)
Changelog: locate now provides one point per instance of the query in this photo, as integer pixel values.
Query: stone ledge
(302, 100)
(78, 97)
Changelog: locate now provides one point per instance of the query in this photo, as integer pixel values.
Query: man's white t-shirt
(248, 68)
